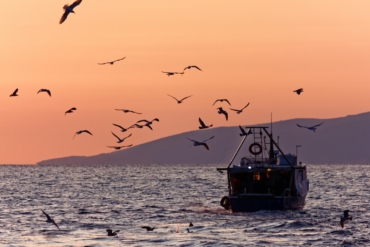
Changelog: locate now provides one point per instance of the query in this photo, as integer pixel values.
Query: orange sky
(249, 51)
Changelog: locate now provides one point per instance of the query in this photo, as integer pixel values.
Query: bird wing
(227, 101)
(234, 109)
(127, 137)
(155, 119)
(48, 91)
(191, 140)
(15, 91)
(116, 136)
(301, 126)
(144, 120)
(202, 123)
(146, 227)
(166, 72)
(173, 97)
(245, 106)
(103, 63)
(119, 59)
(134, 112)
(116, 231)
(119, 126)
(76, 3)
(47, 216)
(205, 145)
(208, 139)
(216, 101)
(88, 132)
(148, 125)
(111, 146)
(64, 17)
(73, 108)
(196, 67)
(56, 225)
(126, 146)
(186, 97)
(317, 125)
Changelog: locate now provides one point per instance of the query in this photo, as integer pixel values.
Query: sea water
(86, 200)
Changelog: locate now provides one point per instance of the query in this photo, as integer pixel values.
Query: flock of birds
(110, 232)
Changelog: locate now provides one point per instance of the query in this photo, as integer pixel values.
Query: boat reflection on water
(265, 180)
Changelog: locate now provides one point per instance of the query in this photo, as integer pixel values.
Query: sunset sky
(249, 51)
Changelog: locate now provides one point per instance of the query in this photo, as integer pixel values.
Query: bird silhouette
(148, 123)
(119, 147)
(111, 233)
(172, 73)
(192, 66)
(179, 101)
(49, 219)
(119, 139)
(82, 131)
(69, 9)
(313, 128)
(122, 129)
(127, 111)
(203, 143)
(245, 133)
(221, 100)
(345, 218)
(45, 91)
(241, 110)
(14, 93)
(203, 126)
(191, 224)
(222, 111)
(112, 62)
(70, 110)
(298, 91)
(148, 228)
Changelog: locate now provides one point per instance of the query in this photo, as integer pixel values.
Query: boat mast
(271, 152)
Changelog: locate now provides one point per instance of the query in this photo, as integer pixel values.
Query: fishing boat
(265, 179)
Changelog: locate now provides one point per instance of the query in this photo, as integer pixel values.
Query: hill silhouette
(343, 140)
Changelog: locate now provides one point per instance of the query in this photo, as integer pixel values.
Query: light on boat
(249, 167)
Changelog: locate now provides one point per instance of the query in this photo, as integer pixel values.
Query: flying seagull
(345, 218)
(127, 111)
(203, 143)
(148, 228)
(298, 91)
(70, 110)
(69, 9)
(245, 133)
(222, 111)
(119, 147)
(112, 233)
(179, 101)
(45, 90)
(192, 66)
(82, 131)
(313, 128)
(148, 123)
(172, 73)
(241, 110)
(221, 100)
(203, 126)
(50, 220)
(14, 93)
(112, 62)
(119, 139)
(122, 129)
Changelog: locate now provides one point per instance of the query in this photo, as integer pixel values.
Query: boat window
(256, 176)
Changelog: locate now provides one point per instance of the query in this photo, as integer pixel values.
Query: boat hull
(256, 203)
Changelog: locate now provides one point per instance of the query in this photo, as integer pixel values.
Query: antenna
(271, 123)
